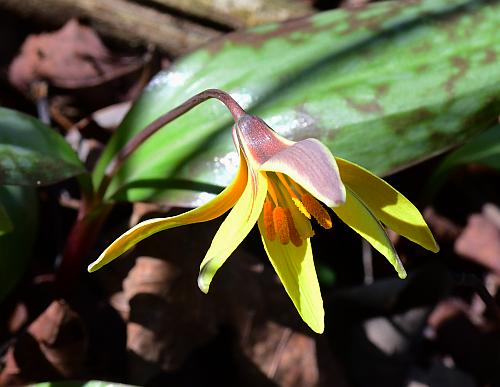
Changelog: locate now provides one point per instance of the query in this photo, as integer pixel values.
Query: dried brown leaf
(480, 242)
(71, 58)
(53, 347)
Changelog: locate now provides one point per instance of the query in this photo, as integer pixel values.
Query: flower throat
(288, 209)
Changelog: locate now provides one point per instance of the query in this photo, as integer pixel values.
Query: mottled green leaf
(385, 86)
(482, 149)
(32, 153)
(20, 204)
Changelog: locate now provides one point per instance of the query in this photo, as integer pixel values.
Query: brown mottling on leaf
(354, 22)
(400, 122)
(422, 68)
(485, 116)
(462, 65)
(297, 39)
(449, 25)
(382, 89)
(440, 139)
(490, 56)
(476, 19)
(365, 107)
(424, 46)
(375, 23)
(257, 39)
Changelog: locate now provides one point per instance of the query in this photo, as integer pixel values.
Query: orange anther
(317, 211)
(281, 225)
(294, 234)
(268, 220)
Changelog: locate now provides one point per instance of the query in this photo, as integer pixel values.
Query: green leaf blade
(385, 87)
(33, 154)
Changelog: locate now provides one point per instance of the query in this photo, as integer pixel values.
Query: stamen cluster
(288, 209)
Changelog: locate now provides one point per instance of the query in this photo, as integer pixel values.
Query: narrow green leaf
(31, 153)
(20, 204)
(482, 149)
(384, 86)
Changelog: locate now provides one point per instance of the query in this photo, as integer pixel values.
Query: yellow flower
(281, 185)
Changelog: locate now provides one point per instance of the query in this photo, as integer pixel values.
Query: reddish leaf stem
(81, 239)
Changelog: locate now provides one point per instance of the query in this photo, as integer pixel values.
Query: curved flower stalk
(283, 186)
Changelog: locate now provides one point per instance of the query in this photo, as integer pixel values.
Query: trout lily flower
(283, 186)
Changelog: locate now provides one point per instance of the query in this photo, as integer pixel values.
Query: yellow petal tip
(426, 240)
(93, 267)
(435, 247)
(204, 287)
(318, 329)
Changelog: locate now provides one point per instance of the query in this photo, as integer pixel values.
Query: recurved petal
(234, 229)
(387, 204)
(357, 215)
(311, 165)
(295, 268)
(211, 210)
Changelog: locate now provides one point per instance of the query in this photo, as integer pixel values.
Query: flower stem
(94, 211)
(115, 164)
